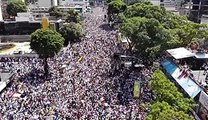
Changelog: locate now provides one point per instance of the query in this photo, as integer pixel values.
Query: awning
(179, 53)
(201, 56)
(187, 84)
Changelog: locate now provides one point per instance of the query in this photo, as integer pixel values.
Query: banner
(137, 89)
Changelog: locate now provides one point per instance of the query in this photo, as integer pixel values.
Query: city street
(84, 82)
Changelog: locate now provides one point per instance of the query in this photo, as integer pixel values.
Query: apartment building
(195, 10)
(199, 10)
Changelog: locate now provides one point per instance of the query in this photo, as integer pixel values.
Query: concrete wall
(44, 3)
(15, 38)
(47, 3)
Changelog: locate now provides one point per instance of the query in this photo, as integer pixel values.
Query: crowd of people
(80, 84)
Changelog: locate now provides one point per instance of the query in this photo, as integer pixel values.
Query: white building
(26, 16)
(73, 2)
(50, 3)
(42, 6)
(169, 5)
(78, 4)
(155, 2)
(46, 3)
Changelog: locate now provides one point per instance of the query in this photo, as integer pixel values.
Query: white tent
(201, 56)
(2, 85)
(179, 53)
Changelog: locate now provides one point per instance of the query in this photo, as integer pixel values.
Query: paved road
(80, 87)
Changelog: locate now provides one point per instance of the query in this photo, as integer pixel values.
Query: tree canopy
(145, 10)
(169, 31)
(46, 43)
(71, 32)
(115, 7)
(169, 102)
(146, 35)
(163, 111)
(191, 31)
(148, 2)
(73, 16)
(164, 90)
(16, 6)
(166, 18)
(55, 11)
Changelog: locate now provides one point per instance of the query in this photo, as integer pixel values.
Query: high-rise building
(193, 9)
(196, 9)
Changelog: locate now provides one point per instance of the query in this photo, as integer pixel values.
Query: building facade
(195, 10)
(72, 2)
(44, 3)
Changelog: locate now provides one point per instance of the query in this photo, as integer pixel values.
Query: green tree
(172, 21)
(108, 1)
(16, 6)
(169, 31)
(73, 16)
(166, 18)
(115, 8)
(145, 10)
(164, 90)
(146, 36)
(163, 111)
(192, 31)
(46, 43)
(71, 32)
(55, 11)
(139, 1)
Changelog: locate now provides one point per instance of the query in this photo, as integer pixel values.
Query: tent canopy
(201, 56)
(179, 53)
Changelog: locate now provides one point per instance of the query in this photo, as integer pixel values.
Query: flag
(137, 87)
(80, 59)
(45, 22)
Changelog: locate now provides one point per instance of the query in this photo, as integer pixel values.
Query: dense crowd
(80, 84)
